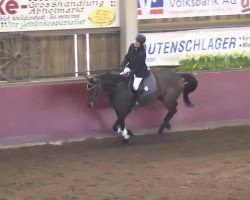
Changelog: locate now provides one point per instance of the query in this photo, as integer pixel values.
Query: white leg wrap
(137, 81)
(119, 130)
(125, 134)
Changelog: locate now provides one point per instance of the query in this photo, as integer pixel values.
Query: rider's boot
(135, 103)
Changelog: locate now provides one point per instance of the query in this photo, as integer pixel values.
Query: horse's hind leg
(171, 106)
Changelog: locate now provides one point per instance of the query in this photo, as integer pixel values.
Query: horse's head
(93, 87)
(103, 82)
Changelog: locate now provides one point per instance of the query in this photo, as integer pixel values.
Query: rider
(134, 63)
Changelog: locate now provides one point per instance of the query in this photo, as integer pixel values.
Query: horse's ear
(88, 77)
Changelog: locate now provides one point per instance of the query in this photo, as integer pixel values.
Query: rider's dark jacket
(135, 58)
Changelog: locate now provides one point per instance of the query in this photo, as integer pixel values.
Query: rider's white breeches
(137, 81)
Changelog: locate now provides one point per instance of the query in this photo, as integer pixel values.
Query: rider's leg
(136, 83)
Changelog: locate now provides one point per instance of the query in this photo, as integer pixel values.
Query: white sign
(168, 48)
(151, 9)
(30, 15)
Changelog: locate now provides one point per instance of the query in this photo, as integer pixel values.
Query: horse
(170, 85)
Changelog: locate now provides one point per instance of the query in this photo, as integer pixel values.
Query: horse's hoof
(168, 126)
(126, 136)
(189, 104)
(160, 132)
(125, 141)
(130, 133)
(116, 128)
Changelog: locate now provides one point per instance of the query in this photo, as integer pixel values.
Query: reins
(91, 86)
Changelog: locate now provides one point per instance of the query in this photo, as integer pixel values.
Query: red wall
(48, 112)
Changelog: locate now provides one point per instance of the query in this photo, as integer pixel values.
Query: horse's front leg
(120, 127)
(116, 126)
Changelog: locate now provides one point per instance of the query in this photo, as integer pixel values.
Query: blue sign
(156, 6)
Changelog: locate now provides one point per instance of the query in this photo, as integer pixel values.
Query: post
(128, 25)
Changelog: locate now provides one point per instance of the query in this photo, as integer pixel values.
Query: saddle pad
(148, 85)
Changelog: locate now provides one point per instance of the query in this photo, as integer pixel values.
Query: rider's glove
(125, 71)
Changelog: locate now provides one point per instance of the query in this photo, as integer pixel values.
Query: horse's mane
(110, 79)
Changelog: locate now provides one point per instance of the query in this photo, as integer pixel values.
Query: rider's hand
(126, 70)
(125, 74)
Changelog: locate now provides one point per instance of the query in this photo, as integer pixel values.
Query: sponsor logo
(245, 5)
(150, 7)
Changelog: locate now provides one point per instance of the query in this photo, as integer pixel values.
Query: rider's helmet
(140, 38)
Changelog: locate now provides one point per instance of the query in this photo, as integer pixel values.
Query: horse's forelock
(93, 80)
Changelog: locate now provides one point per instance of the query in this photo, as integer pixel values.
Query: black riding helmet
(140, 38)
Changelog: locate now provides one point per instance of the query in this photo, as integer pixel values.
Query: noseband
(91, 86)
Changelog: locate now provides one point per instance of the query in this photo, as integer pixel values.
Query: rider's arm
(126, 59)
(140, 61)
(124, 62)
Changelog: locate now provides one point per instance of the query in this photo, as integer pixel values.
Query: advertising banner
(170, 47)
(152, 9)
(31, 15)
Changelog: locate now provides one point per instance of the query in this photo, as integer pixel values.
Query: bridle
(91, 86)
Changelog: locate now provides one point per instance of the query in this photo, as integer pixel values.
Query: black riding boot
(135, 103)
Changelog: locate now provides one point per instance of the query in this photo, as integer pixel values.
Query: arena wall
(42, 113)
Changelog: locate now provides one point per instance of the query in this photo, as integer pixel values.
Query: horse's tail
(191, 84)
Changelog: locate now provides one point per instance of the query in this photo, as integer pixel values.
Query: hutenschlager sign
(31, 15)
(151, 9)
(170, 47)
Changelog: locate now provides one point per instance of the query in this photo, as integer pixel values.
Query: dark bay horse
(169, 87)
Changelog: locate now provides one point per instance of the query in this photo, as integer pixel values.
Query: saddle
(147, 89)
